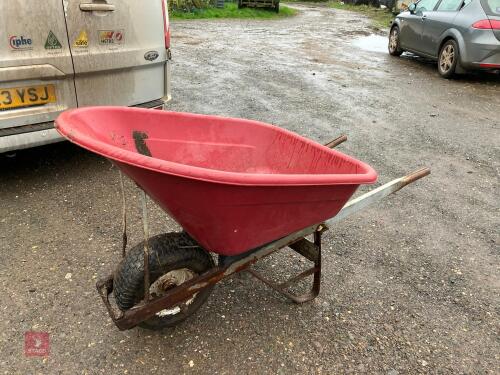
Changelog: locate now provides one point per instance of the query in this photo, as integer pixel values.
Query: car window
(425, 6)
(491, 7)
(449, 5)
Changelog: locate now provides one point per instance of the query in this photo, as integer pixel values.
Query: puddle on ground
(372, 43)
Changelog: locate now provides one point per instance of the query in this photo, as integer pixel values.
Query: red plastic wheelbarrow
(240, 189)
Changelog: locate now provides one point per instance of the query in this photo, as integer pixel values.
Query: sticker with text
(82, 41)
(111, 37)
(52, 42)
(20, 42)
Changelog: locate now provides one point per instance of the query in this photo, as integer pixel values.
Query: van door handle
(424, 17)
(91, 7)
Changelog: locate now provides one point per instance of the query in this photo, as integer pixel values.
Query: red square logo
(36, 344)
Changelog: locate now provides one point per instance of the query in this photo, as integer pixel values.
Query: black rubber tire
(450, 72)
(169, 251)
(395, 51)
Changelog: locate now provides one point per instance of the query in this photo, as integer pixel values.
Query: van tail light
(166, 23)
(487, 25)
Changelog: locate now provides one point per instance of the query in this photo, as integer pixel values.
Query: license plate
(27, 96)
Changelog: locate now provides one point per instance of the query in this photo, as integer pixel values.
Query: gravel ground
(410, 286)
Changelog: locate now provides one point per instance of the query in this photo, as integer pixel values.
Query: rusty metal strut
(124, 216)
(146, 245)
(146, 233)
(309, 250)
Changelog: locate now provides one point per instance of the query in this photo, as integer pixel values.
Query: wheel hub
(447, 58)
(393, 41)
(169, 281)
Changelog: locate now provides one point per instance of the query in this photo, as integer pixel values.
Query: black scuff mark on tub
(140, 143)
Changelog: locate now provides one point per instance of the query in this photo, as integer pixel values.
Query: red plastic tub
(232, 184)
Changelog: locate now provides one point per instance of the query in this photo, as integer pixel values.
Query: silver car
(460, 34)
(56, 55)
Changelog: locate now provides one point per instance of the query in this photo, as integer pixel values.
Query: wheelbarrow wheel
(174, 258)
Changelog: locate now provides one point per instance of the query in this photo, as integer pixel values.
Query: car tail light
(166, 23)
(492, 66)
(487, 25)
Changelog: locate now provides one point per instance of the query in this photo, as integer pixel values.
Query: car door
(119, 51)
(36, 71)
(413, 25)
(410, 30)
(436, 23)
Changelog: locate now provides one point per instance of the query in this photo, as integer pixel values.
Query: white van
(61, 54)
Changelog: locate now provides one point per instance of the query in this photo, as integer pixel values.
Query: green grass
(231, 10)
(381, 17)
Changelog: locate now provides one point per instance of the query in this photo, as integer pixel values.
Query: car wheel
(394, 48)
(448, 58)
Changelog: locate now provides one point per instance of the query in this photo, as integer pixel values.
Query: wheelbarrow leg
(317, 275)
(309, 250)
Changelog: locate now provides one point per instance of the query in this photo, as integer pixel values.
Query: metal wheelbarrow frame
(229, 265)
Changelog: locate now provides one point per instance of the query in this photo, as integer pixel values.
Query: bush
(189, 5)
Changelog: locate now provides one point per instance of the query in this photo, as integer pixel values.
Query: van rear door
(36, 71)
(119, 52)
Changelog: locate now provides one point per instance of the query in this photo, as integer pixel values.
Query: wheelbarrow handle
(365, 200)
(418, 174)
(335, 142)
